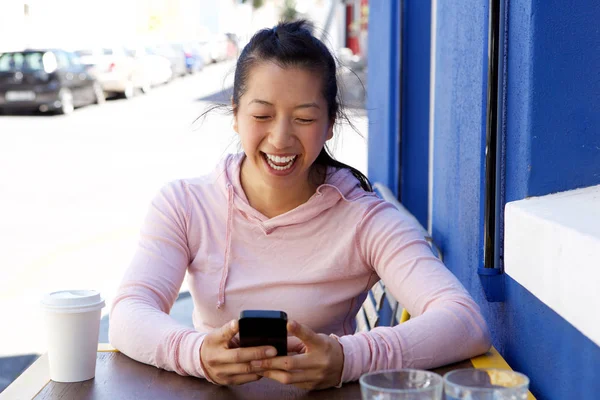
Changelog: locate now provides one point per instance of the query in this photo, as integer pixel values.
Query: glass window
(85, 52)
(74, 59)
(21, 62)
(62, 59)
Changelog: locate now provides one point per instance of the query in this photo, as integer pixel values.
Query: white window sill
(552, 248)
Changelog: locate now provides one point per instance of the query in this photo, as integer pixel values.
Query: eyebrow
(266, 103)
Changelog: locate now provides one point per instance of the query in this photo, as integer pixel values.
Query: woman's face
(283, 123)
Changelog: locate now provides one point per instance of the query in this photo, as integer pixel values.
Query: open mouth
(279, 163)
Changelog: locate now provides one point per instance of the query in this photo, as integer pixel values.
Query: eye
(261, 117)
(304, 121)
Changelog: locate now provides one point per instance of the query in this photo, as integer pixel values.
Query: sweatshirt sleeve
(140, 324)
(446, 325)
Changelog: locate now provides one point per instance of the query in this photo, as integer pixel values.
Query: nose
(281, 135)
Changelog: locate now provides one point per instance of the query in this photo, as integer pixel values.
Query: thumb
(227, 332)
(304, 333)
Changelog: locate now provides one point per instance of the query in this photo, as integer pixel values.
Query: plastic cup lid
(71, 301)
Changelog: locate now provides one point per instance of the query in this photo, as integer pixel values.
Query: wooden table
(119, 377)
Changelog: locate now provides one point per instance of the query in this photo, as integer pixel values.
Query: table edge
(33, 380)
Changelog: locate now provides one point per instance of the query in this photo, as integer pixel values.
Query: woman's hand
(318, 364)
(225, 362)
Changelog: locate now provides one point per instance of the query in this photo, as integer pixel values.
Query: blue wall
(553, 97)
(459, 145)
(383, 93)
(414, 140)
(398, 100)
(552, 144)
(561, 362)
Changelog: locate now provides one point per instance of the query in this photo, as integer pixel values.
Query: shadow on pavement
(221, 97)
(27, 112)
(12, 367)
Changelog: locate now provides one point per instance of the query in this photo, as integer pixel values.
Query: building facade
(485, 122)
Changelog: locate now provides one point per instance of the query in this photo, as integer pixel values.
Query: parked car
(204, 47)
(46, 80)
(117, 70)
(176, 58)
(157, 68)
(194, 61)
(219, 48)
(233, 45)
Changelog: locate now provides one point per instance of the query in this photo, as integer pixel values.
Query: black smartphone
(264, 328)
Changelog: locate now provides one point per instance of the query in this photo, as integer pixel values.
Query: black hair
(292, 44)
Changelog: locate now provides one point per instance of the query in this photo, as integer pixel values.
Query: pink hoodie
(316, 262)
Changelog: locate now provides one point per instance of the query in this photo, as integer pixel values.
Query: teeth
(276, 159)
(280, 160)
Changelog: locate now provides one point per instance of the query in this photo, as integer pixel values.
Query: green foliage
(255, 3)
(289, 12)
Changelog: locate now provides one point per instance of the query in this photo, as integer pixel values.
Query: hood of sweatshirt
(340, 185)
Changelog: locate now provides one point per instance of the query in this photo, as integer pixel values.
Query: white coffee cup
(73, 323)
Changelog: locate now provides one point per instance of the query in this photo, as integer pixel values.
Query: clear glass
(402, 384)
(485, 384)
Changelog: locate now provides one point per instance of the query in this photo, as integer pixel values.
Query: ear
(330, 130)
(235, 124)
(235, 121)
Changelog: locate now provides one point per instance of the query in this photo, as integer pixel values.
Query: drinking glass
(402, 384)
(485, 384)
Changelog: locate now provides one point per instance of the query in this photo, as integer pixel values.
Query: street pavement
(74, 190)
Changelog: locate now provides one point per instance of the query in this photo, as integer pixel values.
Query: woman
(284, 226)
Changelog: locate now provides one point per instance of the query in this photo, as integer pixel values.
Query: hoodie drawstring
(221, 300)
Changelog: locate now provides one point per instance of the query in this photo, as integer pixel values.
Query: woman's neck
(271, 201)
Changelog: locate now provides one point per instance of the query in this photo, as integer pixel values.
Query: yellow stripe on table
(106, 347)
(493, 359)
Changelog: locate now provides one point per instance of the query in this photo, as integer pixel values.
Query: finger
(227, 370)
(304, 333)
(224, 334)
(292, 377)
(245, 354)
(285, 363)
(295, 345)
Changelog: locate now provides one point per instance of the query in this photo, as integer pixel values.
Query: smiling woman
(289, 61)
(283, 226)
(283, 125)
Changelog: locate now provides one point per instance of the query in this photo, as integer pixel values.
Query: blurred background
(99, 102)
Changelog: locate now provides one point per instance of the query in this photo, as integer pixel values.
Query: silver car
(117, 70)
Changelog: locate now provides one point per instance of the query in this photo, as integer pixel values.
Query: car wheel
(66, 102)
(99, 97)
